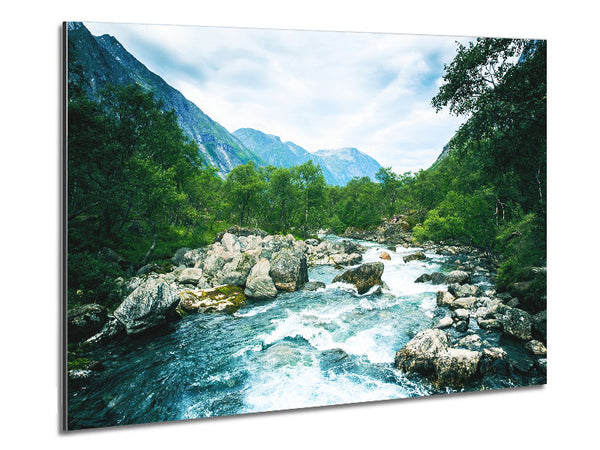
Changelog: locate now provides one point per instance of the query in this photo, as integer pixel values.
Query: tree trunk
(153, 246)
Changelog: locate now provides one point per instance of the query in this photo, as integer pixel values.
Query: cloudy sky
(320, 90)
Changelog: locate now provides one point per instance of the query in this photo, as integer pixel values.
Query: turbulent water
(330, 346)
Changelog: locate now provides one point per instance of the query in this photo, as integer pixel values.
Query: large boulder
(444, 298)
(429, 354)
(421, 351)
(456, 366)
(458, 276)
(189, 257)
(219, 299)
(464, 290)
(517, 323)
(149, 306)
(85, 321)
(190, 276)
(438, 278)
(464, 303)
(289, 270)
(417, 256)
(259, 284)
(364, 277)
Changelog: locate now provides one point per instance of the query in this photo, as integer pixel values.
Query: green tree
(311, 187)
(244, 186)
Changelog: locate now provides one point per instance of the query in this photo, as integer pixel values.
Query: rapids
(302, 349)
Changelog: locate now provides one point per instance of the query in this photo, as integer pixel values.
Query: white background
(563, 413)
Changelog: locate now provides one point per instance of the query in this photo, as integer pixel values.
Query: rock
(190, 276)
(539, 326)
(458, 276)
(465, 290)
(150, 268)
(314, 285)
(471, 342)
(179, 256)
(259, 284)
(542, 364)
(494, 361)
(385, 255)
(444, 298)
(536, 348)
(219, 299)
(420, 353)
(232, 278)
(351, 247)
(517, 323)
(489, 308)
(85, 321)
(461, 314)
(148, 306)
(489, 324)
(456, 366)
(289, 270)
(213, 264)
(79, 377)
(429, 354)
(423, 278)
(446, 322)
(418, 256)
(462, 326)
(364, 277)
(464, 303)
(438, 278)
(111, 329)
(312, 242)
(230, 243)
(241, 231)
(345, 259)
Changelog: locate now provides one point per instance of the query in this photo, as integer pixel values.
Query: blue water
(301, 349)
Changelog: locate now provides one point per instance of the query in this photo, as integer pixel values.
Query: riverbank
(316, 341)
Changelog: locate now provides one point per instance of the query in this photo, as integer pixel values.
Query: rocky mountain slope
(103, 60)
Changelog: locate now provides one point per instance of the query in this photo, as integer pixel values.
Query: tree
(244, 185)
(500, 85)
(311, 186)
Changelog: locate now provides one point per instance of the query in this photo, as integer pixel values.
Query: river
(302, 349)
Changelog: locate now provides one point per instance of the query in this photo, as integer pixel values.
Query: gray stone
(190, 276)
(446, 322)
(85, 321)
(364, 277)
(289, 270)
(147, 307)
(458, 276)
(444, 298)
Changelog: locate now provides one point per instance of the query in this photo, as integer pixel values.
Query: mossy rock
(227, 299)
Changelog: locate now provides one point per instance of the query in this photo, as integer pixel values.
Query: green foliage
(523, 245)
(464, 218)
(91, 279)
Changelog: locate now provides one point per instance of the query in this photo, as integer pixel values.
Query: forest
(138, 190)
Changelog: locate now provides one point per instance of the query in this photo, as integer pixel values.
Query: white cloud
(317, 89)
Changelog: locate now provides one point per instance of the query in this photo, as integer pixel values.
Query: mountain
(339, 166)
(347, 163)
(104, 60)
(277, 153)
